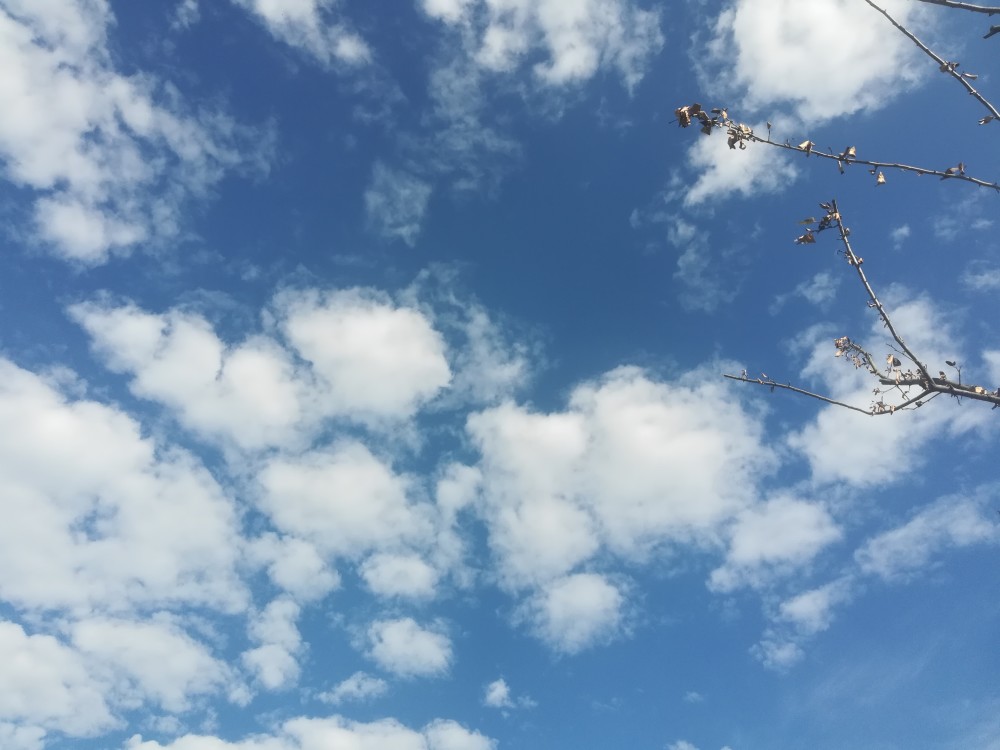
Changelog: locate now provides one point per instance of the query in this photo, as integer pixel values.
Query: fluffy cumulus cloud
(632, 465)
(47, 685)
(780, 53)
(782, 533)
(337, 732)
(576, 612)
(273, 661)
(112, 529)
(344, 500)
(399, 575)
(404, 648)
(314, 26)
(351, 354)
(110, 160)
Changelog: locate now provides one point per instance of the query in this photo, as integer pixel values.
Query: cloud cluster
(109, 160)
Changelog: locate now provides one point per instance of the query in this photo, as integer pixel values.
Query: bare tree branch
(893, 376)
(945, 66)
(964, 6)
(739, 134)
(787, 387)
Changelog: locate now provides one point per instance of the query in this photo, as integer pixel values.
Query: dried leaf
(970, 76)
(807, 146)
(880, 178)
(810, 220)
(987, 119)
(806, 239)
(949, 362)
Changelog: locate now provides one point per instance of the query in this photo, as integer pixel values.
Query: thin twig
(944, 175)
(945, 65)
(857, 263)
(964, 6)
(787, 387)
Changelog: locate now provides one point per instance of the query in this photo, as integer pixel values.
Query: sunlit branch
(964, 6)
(893, 375)
(944, 174)
(788, 387)
(740, 134)
(944, 65)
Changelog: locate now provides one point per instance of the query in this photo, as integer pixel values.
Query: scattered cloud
(394, 575)
(781, 534)
(952, 521)
(395, 203)
(900, 235)
(722, 171)
(359, 687)
(404, 648)
(110, 160)
(576, 612)
(314, 26)
(982, 276)
(576, 40)
(497, 695)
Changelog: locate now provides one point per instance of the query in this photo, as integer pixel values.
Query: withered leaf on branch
(807, 146)
(987, 119)
(810, 220)
(957, 169)
(970, 76)
(849, 153)
(684, 114)
(806, 239)
(880, 179)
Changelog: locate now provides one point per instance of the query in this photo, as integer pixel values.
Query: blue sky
(362, 378)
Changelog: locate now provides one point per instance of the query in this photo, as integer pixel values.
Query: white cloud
(395, 203)
(398, 575)
(811, 611)
(617, 469)
(776, 654)
(343, 500)
(247, 393)
(953, 521)
(14, 737)
(336, 732)
(449, 735)
(48, 685)
(577, 38)
(112, 528)
(780, 534)
(778, 52)
(365, 359)
(982, 277)
(313, 26)
(497, 694)
(899, 235)
(186, 14)
(404, 648)
(681, 745)
(576, 612)
(359, 687)
(112, 160)
(721, 170)
(295, 565)
(378, 360)
(150, 662)
(274, 661)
